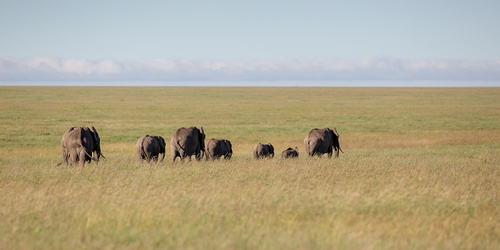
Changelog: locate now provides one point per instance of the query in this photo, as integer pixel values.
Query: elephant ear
(162, 144)
(335, 132)
(272, 148)
(202, 138)
(94, 135)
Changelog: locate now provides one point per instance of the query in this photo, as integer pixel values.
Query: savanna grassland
(421, 169)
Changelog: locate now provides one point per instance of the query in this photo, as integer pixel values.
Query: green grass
(420, 169)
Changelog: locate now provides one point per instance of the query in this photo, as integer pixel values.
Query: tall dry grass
(420, 170)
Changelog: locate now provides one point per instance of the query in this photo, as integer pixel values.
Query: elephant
(321, 141)
(78, 143)
(186, 142)
(263, 150)
(290, 153)
(149, 147)
(216, 148)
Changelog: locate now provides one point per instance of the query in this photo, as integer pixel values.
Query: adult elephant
(149, 147)
(216, 148)
(263, 150)
(186, 142)
(322, 141)
(290, 153)
(78, 143)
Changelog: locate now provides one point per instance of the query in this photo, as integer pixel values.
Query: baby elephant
(216, 148)
(290, 153)
(263, 150)
(149, 147)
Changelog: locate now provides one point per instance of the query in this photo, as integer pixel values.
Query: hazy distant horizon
(259, 83)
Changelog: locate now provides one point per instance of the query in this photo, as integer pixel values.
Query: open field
(421, 169)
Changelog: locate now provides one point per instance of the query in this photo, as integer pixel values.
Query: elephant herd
(82, 144)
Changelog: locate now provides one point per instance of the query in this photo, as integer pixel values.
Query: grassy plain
(421, 169)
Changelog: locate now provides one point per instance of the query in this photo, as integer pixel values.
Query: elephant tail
(178, 144)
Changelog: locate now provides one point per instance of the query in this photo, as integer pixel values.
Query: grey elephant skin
(216, 148)
(290, 153)
(81, 144)
(263, 150)
(322, 141)
(150, 147)
(186, 142)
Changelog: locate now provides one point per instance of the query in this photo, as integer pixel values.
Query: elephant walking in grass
(81, 144)
(186, 142)
(216, 148)
(290, 153)
(149, 147)
(263, 150)
(322, 141)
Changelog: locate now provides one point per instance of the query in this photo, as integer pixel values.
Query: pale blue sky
(249, 30)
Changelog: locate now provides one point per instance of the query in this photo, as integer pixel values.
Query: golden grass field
(421, 169)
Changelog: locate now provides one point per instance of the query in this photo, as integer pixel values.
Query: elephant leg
(65, 159)
(82, 157)
(175, 154)
(73, 157)
(314, 147)
(184, 156)
(95, 156)
(319, 154)
(64, 156)
(329, 151)
(140, 156)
